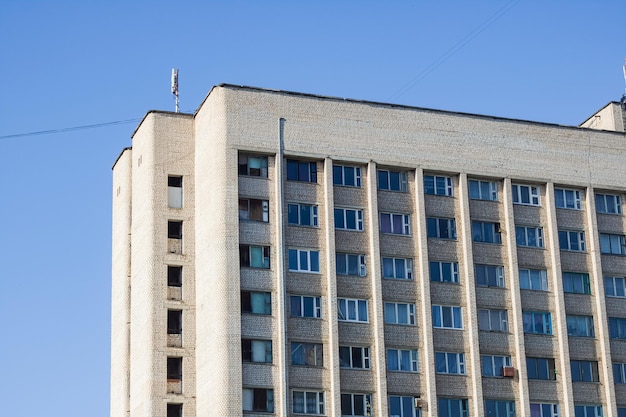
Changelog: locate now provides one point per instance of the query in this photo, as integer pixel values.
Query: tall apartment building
(286, 254)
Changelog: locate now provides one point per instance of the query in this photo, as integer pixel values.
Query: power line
(454, 49)
(70, 129)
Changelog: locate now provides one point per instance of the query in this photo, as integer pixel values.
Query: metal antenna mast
(175, 87)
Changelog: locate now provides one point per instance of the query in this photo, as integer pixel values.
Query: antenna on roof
(175, 86)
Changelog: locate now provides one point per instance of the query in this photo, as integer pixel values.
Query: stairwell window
(174, 229)
(175, 192)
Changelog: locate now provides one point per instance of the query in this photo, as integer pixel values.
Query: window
(489, 275)
(486, 232)
(174, 410)
(615, 286)
(544, 410)
(258, 399)
(572, 240)
(537, 322)
(619, 373)
(259, 351)
(350, 264)
(444, 271)
(576, 283)
(402, 406)
(356, 404)
(302, 214)
(400, 313)
(567, 199)
(256, 302)
(392, 180)
(450, 363)
(254, 166)
(438, 185)
(452, 407)
(402, 360)
(174, 321)
(525, 194)
(580, 326)
(174, 229)
(540, 368)
(531, 237)
(306, 306)
(587, 410)
(351, 309)
(585, 371)
(346, 175)
(483, 190)
(612, 244)
(397, 224)
(493, 320)
(355, 357)
(492, 365)
(621, 412)
(617, 328)
(301, 171)
(174, 276)
(304, 260)
(494, 408)
(447, 317)
(307, 354)
(174, 368)
(308, 402)
(348, 219)
(609, 203)
(253, 209)
(533, 279)
(397, 268)
(254, 256)
(441, 228)
(174, 192)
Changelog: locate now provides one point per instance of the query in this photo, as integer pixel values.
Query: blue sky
(65, 64)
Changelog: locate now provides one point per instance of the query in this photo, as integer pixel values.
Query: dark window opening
(175, 368)
(174, 229)
(174, 410)
(174, 276)
(174, 181)
(174, 321)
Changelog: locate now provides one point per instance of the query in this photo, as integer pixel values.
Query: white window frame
(413, 359)
(354, 397)
(605, 206)
(534, 199)
(438, 268)
(408, 268)
(546, 318)
(444, 228)
(364, 353)
(612, 244)
(451, 310)
(597, 410)
(404, 400)
(612, 284)
(406, 224)
(318, 407)
(497, 320)
(554, 410)
(409, 314)
(317, 306)
(402, 178)
(354, 302)
(312, 221)
(495, 369)
(619, 373)
(484, 277)
(306, 266)
(485, 232)
(523, 236)
(344, 214)
(476, 191)
(441, 185)
(526, 275)
(457, 357)
(574, 242)
(244, 214)
(342, 181)
(567, 198)
(358, 259)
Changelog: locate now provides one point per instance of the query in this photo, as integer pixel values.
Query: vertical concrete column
(331, 355)
(601, 320)
(559, 325)
(377, 321)
(425, 319)
(471, 315)
(516, 322)
(282, 388)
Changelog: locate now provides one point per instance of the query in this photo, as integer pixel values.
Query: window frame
(358, 302)
(445, 406)
(175, 276)
(580, 373)
(501, 324)
(407, 267)
(387, 183)
(268, 356)
(566, 194)
(476, 190)
(312, 221)
(441, 228)
(495, 368)
(405, 227)
(440, 275)
(614, 247)
(614, 286)
(450, 360)
(531, 281)
(268, 395)
(534, 195)
(574, 240)
(175, 229)
(306, 171)
(617, 204)
(265, 209)
(175, 191)
(489, 275)
(318, 406)
(493, 408)
(576, 282)
(366, 404)
(439, 185)
(310, 264)
(486, 232)
(310, 350)
(400, 356)
(546, 319)
(582, 410)
(617, 328)
(265, 256)
(267, 302)
(246, 170)
(529, 236)
(359, 259)
(316, 306)
(403, 402)
(397, 317)
(363, 355)
(619, 373)
(543, 369)
(343, 213)
(342, 180)
(439, 319)
(544, 410)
